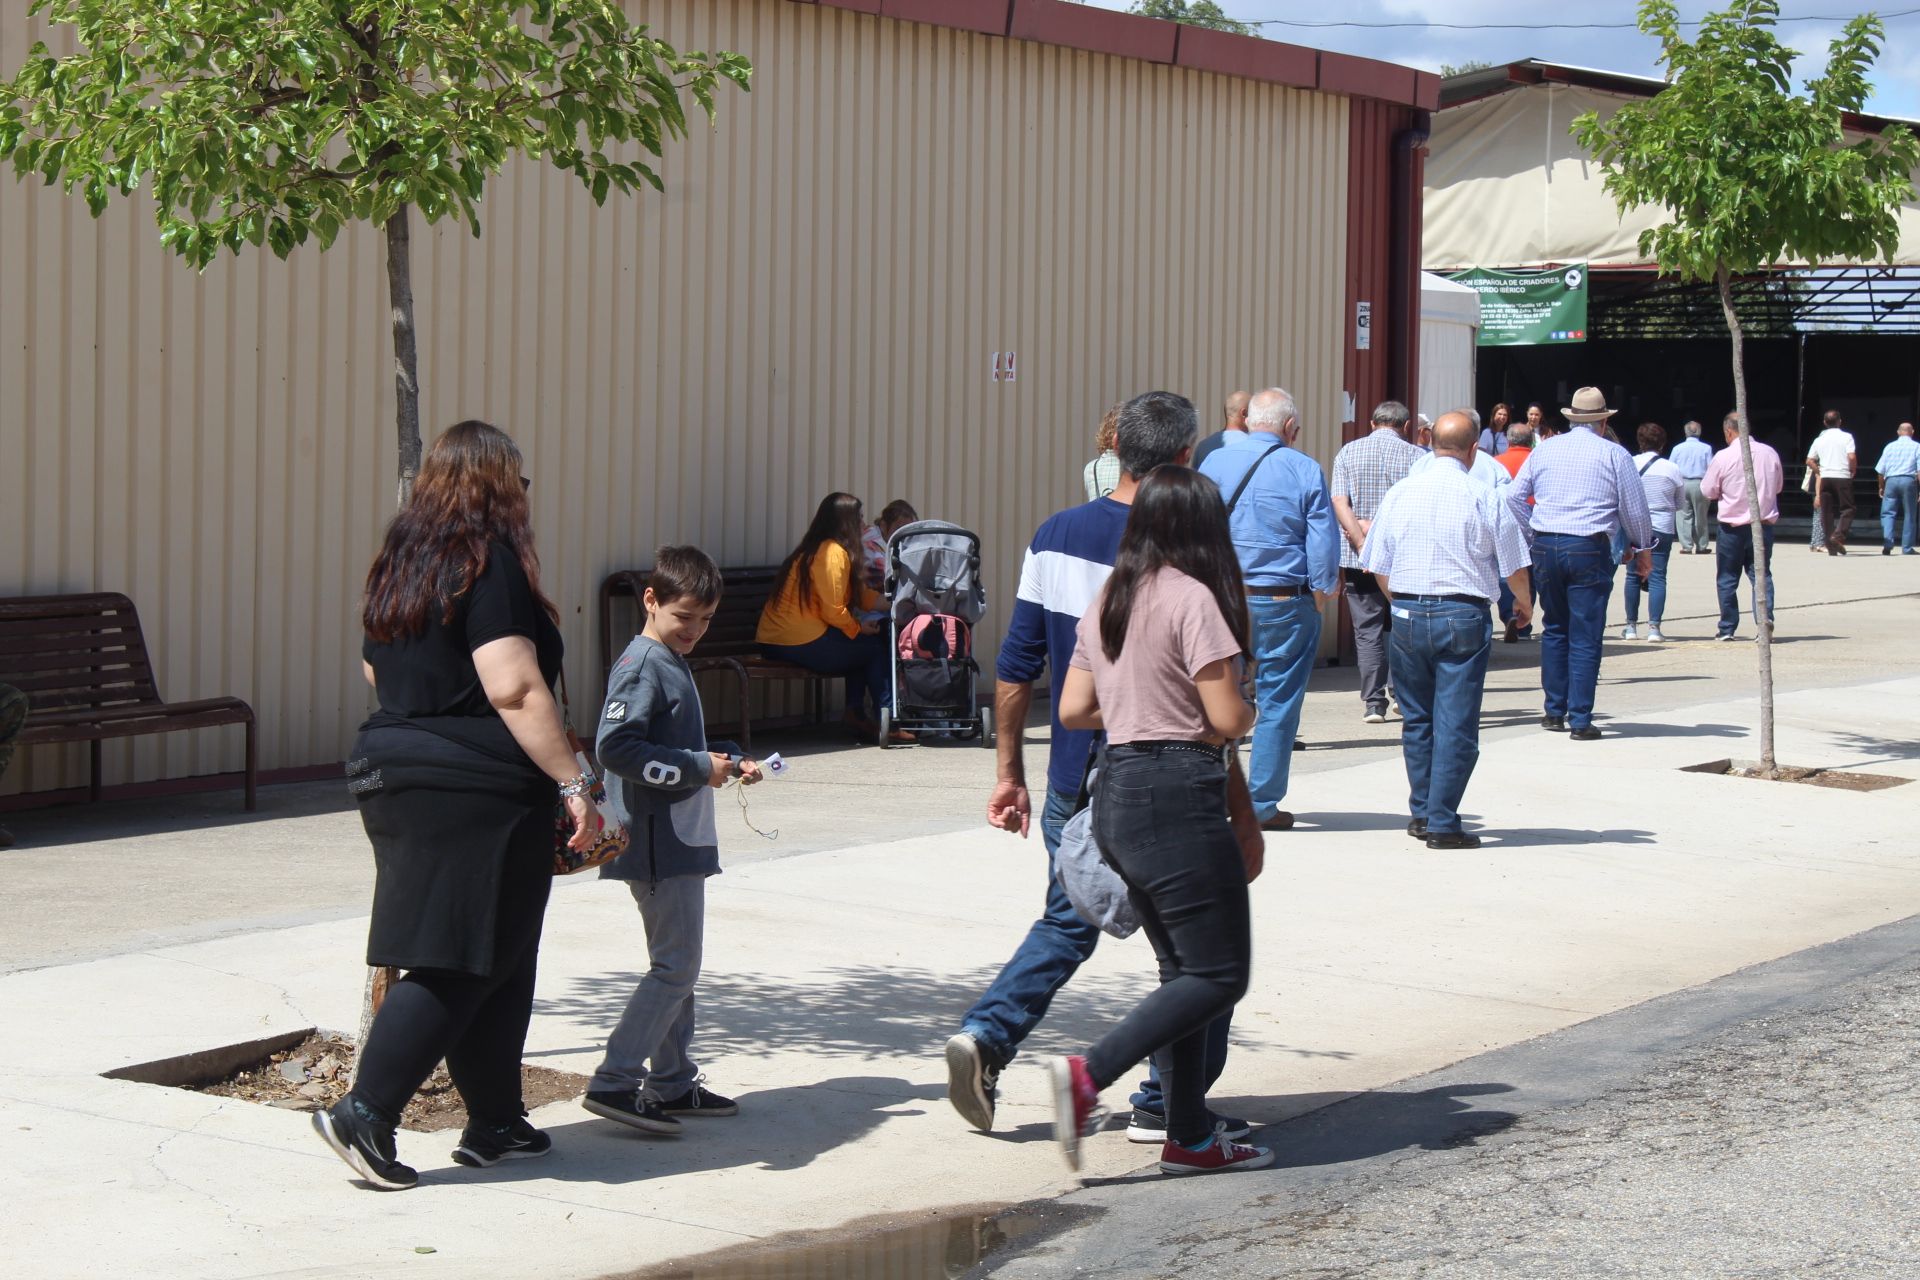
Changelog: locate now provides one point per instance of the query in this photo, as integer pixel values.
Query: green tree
(1195, 13)
(273, 122)
(1448, 70)
(1753, 176)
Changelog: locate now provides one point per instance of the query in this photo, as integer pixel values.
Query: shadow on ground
(861, 1011)
(1362, 1126)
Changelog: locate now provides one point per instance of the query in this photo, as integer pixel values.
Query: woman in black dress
(456, 776)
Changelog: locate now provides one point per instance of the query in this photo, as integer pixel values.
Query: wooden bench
(82, 662)
(728, 645)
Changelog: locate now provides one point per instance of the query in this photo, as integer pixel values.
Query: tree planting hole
(1834, 779)
(308, 1070)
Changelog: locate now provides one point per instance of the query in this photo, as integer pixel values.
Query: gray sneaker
(973, 1082)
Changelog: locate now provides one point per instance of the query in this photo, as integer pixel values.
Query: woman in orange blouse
(824, 618)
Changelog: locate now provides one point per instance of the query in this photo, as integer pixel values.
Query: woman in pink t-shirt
(1158, 668)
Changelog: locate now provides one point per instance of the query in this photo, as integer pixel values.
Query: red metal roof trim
(1248, 58)
(1155, 40)
(1123, 35)
(989, 17)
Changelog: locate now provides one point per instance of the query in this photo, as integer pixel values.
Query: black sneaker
(700, 1101)
(973, 1081)
(1151, 1126)
(364, 1143)
(483, 1145)
(631, 1108)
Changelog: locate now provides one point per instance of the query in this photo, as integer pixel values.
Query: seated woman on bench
(822, 617)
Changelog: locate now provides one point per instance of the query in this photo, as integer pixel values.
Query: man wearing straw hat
(1583, 486)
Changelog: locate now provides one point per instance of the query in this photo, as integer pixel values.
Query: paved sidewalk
(1608, 878)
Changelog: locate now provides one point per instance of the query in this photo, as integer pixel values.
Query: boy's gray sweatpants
(657, 1028)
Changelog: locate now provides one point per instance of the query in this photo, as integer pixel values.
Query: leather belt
(1278, 593)
(1478, 601)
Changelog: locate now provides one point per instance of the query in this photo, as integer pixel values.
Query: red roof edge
(1076, 26)
(1368, 78)
(989, 17)
(1249, 58)
(1127, 35)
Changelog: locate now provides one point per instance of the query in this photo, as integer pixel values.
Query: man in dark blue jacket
(1066, 565)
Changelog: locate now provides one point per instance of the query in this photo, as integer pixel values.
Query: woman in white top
(1666, 489)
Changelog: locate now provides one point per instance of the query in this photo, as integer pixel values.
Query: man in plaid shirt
(1363, 471)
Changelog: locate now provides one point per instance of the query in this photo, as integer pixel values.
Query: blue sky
(1896, 75)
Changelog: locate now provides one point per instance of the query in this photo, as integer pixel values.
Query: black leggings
(478, 1024)
(1160, 816)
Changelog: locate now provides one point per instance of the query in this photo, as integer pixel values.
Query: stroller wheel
(986, 726)
(886, 726)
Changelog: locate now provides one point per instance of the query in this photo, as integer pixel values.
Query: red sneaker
(1217, 1156)
(1076, 1106)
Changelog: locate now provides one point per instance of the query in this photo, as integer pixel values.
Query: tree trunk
(406, 364)
(1762, 576)
(406, 386)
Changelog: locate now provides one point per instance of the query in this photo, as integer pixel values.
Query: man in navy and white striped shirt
(1440, 546)
(1583, 486)
(1066, 565)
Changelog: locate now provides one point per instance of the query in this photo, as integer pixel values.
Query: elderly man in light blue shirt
(1289, 547)
(1440, 546)
(1583, 486)
(1694, 519)
(1896, 470)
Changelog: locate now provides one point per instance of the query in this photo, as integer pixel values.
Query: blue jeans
(1732, 554)
(1439, 652)
(1897, 507)
(1575, 574)
(1286, 637)
(1055, 947)
(1656, 583)
(863, 661)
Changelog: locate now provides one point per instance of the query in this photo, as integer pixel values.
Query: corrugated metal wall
(813, 305)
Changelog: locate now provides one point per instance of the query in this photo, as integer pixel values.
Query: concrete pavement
(838, 962)
(1613, 878)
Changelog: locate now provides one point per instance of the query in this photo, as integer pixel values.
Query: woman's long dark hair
(837, 519)
(1179, 521)
(468, 495)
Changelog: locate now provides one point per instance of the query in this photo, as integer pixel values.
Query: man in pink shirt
(1726, 483)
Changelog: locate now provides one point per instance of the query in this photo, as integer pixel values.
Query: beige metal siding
(813, 305)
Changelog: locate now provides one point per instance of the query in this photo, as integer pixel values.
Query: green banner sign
(1530, 308)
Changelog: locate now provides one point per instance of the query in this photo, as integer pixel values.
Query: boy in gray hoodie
(661, 775)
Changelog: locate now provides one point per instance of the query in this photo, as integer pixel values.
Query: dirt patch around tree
(1835, 779)
(313, 1075)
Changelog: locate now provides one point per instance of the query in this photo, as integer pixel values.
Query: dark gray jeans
(1368, 608)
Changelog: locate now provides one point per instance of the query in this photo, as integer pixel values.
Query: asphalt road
(1764, 1125)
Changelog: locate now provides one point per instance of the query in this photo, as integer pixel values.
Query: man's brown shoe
(1280, 821)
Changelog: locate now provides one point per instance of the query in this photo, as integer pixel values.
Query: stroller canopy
(935, 568)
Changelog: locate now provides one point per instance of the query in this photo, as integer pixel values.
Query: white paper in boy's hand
(773, 766)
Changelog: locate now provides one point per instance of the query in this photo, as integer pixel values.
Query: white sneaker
(1628, 633)
(1375, 717)
(1654, 634)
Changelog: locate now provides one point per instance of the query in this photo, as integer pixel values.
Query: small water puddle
(945, 1247)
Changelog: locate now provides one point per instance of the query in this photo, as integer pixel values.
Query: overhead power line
(1528, 26)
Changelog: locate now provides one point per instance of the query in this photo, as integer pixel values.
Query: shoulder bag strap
(1648, 463)
(1247, 479)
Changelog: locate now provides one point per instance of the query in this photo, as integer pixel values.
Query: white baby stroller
(933, 579)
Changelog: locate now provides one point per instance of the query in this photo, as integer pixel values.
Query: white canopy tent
(1449, 329)
(1507, 185)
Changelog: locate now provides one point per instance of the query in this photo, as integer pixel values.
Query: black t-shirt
(428, 680)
